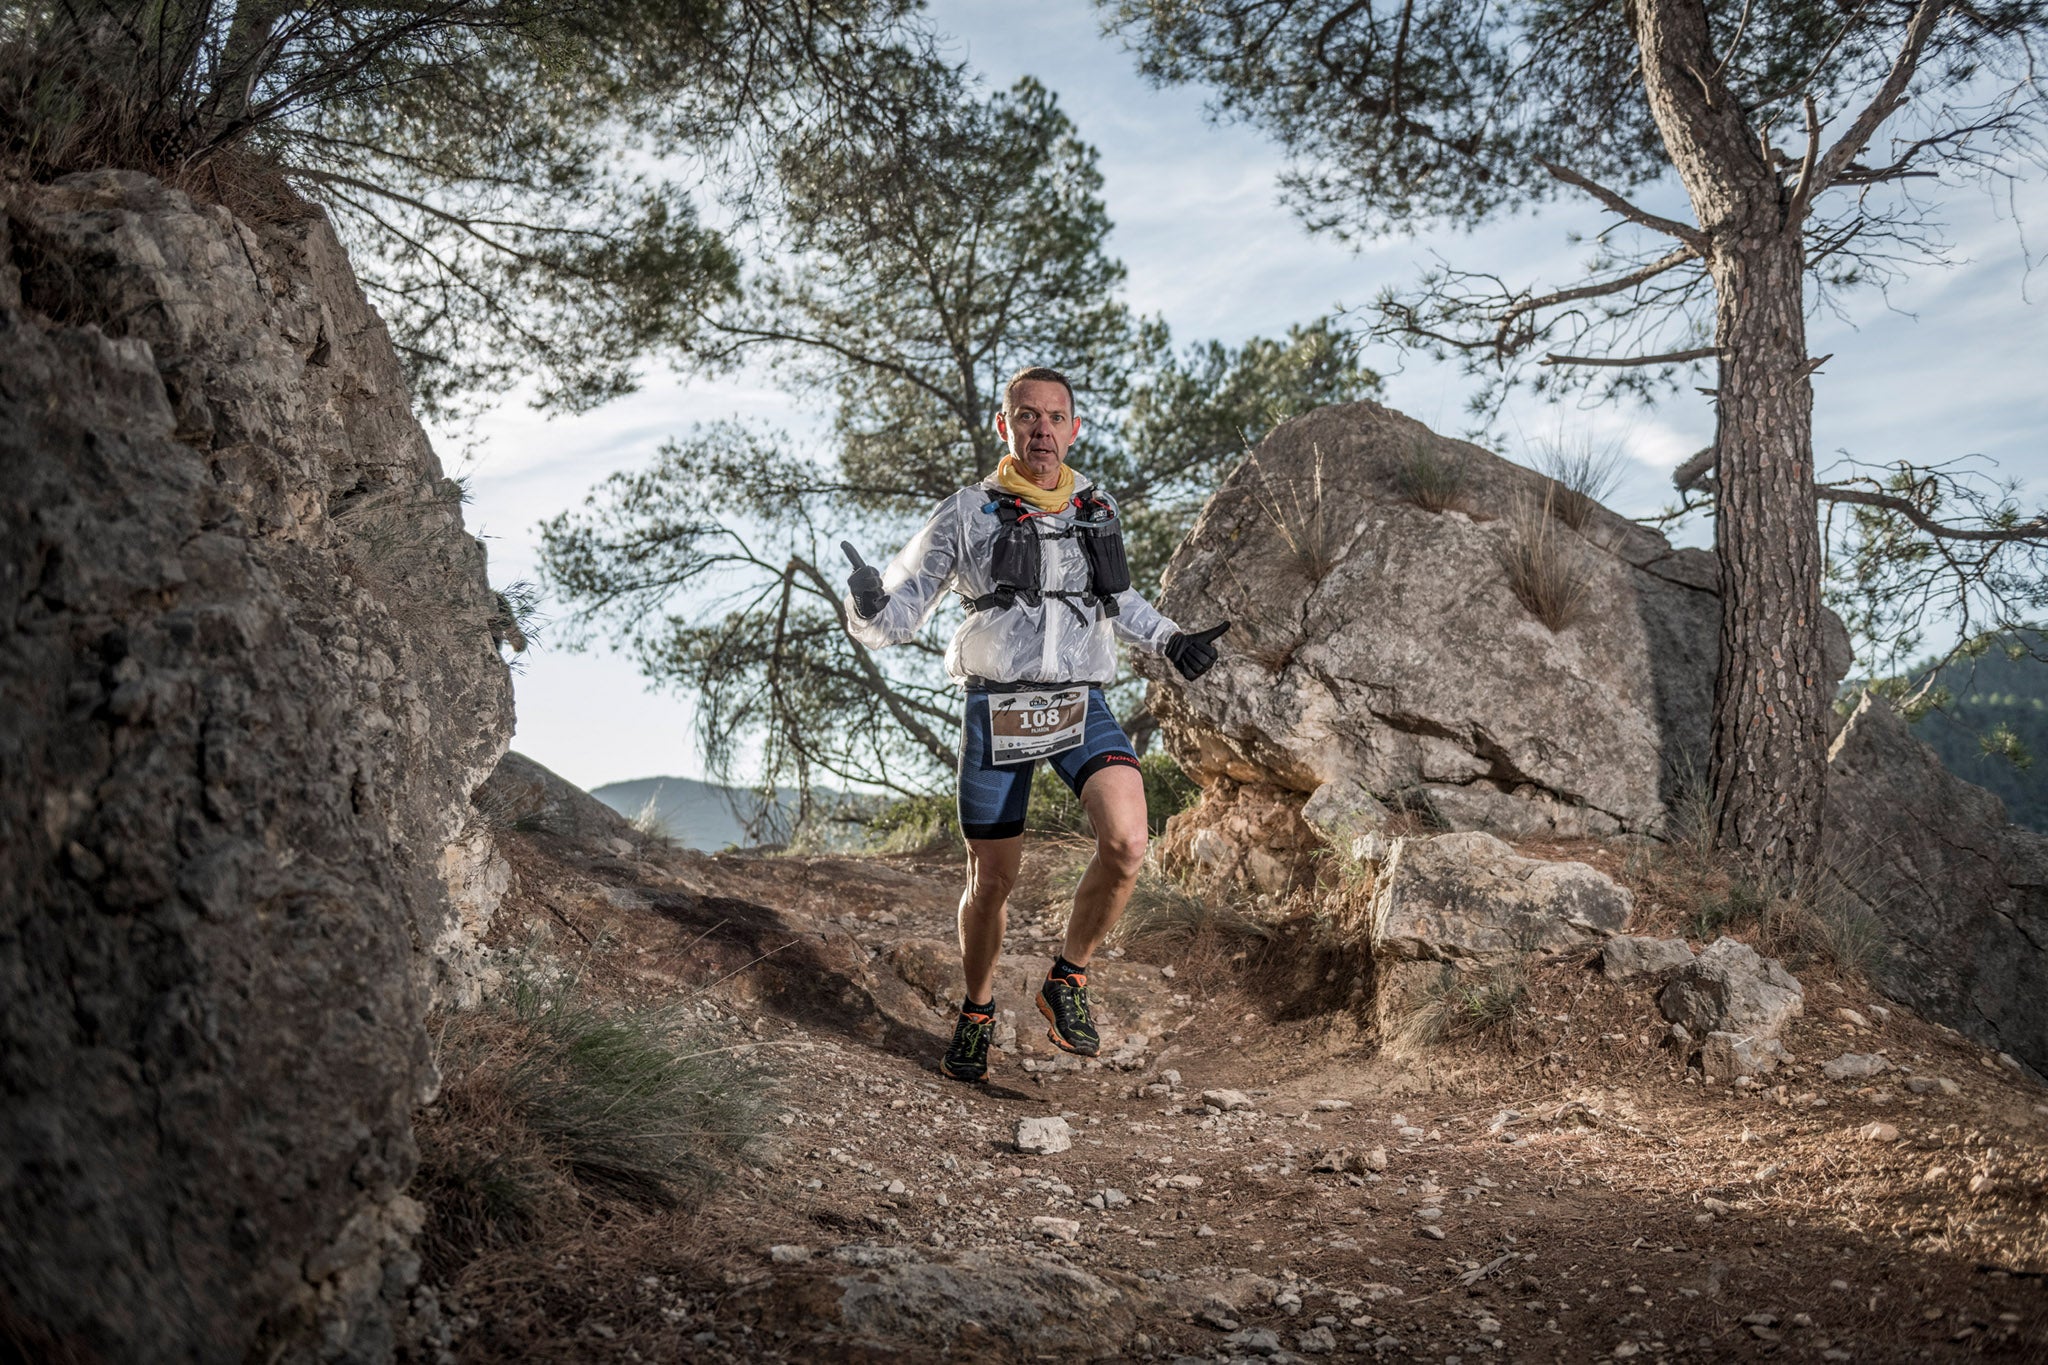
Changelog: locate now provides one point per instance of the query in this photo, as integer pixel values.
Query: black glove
(865, 584)
(1194, 655)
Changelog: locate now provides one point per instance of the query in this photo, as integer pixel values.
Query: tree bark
(1769, 731)
(1769, 727)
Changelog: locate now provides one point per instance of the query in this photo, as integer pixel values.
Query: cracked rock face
(1378, 648)
(247, 684)
(1961, 892)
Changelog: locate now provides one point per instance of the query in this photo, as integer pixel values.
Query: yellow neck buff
(1011, 478)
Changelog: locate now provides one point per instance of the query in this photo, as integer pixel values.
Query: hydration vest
(1015, 563)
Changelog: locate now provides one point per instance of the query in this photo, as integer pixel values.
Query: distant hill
(1986, 693)
(704, 815)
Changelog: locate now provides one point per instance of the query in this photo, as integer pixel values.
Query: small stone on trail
(1332, 1106)
(788, 1253)
(1854, 1066)
(1431, 1230)
(1316, 1341)
(1927, 1085)
(1982, 1184)
(1880, 1013)
(896, 1187)
(1056, 1229)
(1227, 1100)
(1108, 1199)
(1878, 1132)
(1044, 1136)
(1849, 1016)
(1376, 1159)
(1205, 1231)
(1253, 1341)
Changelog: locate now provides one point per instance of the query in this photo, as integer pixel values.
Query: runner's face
(1039, 427)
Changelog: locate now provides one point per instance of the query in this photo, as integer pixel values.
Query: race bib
(1028, 725)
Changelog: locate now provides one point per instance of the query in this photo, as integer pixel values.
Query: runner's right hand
(864, 584)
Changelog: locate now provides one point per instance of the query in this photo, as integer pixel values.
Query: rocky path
(1231, 1183)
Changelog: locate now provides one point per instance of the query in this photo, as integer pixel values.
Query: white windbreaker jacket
(1046, 643)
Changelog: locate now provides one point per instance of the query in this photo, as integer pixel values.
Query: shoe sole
(951, 1074)
(1053, 1032)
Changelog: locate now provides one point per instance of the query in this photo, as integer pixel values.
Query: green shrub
(916, 824)
(1054, 809)
(930, 824)
(1168, 790)
(1743, 903)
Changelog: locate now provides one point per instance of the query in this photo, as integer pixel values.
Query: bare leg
(1115, 801)
(984, 909)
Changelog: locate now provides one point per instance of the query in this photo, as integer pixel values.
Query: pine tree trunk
(1769, 728)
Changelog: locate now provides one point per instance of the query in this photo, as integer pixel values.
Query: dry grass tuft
(1458, 1006)
(554, 1107)
(1301, 522)
(1583, 476)
(1425, 477)
(1546, 565)
(1162, 913)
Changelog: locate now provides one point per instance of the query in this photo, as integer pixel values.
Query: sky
(1951, 362)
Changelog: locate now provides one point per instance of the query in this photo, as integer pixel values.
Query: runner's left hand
(864, 585)
(1194, 655)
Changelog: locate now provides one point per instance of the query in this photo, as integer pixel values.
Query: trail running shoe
(1063, 1000)
(967, 1057)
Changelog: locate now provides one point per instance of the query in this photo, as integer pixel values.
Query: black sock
(1062, 967)
(988, 1007)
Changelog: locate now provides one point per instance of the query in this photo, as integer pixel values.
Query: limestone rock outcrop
(1469, 897)
(1961, 892)
(1379, 653)
(248, 681)
(1467, 903)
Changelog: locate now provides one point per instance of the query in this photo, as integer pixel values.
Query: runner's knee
(1123, 851)
(987, 883)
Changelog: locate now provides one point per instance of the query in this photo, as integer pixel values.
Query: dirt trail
(1579, 1197)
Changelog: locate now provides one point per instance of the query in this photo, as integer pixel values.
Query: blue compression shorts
(993, 799)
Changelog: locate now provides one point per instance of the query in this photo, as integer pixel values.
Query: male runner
(1036, 552)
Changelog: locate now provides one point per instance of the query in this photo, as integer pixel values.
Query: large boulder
(247, 685)
(1731, 988)
(1961, 892)
(1379, 653)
